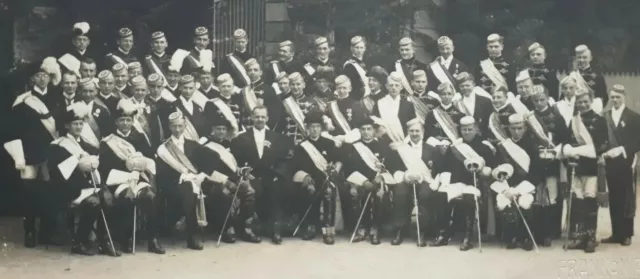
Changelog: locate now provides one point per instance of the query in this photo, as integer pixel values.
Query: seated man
(316, 162)
(130, 174)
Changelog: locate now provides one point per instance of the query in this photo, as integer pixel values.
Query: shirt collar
(106, 96)
(177, 140)
(73, 138)
(121, 134)
(159, 54)
(67, 96)
(184, 100)
(256, 131)
(618, 110)
(324, 61)
(172, 88)
(502, 107)
(82, 52)
(446, 107)
(42, 92)
(122, 50)
(155, 99)
(121, 88)
(447, 60)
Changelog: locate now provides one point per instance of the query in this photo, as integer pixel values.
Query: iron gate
(229, 15)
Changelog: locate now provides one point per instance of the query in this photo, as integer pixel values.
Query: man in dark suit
(321, 58)
(356, 69)
(69, 87)
(125, 53)
(393, 109)
(158, 60)
(445, 68)
(286, 62)
(159, 110)
(233, 63)
(265, 95)
(592, 79)
(407, 64)
(623, 128)
(266, 152)
(473, 104)
(195, 121)
(81, 41)
(99, 119)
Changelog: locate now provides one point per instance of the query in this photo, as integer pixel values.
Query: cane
(526, 225)
(477, 213)
(233, 200)
(417, 206)
(569, 202)
(364, 208)
(104, 218)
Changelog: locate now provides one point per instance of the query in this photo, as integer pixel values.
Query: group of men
(172, 139)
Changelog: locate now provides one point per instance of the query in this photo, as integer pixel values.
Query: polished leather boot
(310, 233)
(155, 247)
(105, 248)
(249, 236)
(194, 243)
(29, 232)
(127, 246)
(399, 237)
(374, 237)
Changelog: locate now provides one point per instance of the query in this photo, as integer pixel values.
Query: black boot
(248, 236)
(127, 246)
(468, 230)
(328, 238)
(399, 237)
(310, 233)
(373, 236)
(527, 244)
(276, 237)
(106, 248)
(359, 236)
(29, 224)
(229, 236)
(194, 242)
(81, 249)
(441, 240)
(155, 247)
(422, 239)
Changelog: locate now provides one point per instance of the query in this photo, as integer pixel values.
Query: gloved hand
(94, 161)
(308, 181)
(85, 164)
(232, 187)
(378, 179)
(354, 191)
(200, 178)
(20, 165)
(369, 186)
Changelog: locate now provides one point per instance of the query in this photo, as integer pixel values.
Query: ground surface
(299, 259)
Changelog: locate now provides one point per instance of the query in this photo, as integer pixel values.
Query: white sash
(167, 95)
(404, 81)
(438, 71)
(199, 98)
(172, 161)
(517, 154)
(479, 91)
(339, 117)
(363, 77)
(87, 135)
(239, 68)
(226, 112)
(580, 82)
(276, 69)
(371, 160)
(531, 119)
(117, 60)
(413, 161)
(124, 149)
(446, 124)
(582, 135)
(225, 155)
(496, 129)
(38, 106)
(464, 150)
(310, 70)
(492, 73)
(318, 160)
(391, 122)
(67, 166)
(156, 69)
(250, 98)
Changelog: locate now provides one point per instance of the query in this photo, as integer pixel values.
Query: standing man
(125, 53)
(356, 69)
(441, 124)
(108, 95)
(589, 79)
(198, 57)
(228, 106)
(345, 111)
(407, 64)
(134, 69)
(393, 109)
(445, 68)
(158, 60)
(260, 94)
(286, 62)
(207, 87)
(159, 110)
(99, 120)
(624, 139)
(195, 122)
(539, 71)
(378, 85)
(495, 71)
(81, 42)
(420, 87)
(28, 145)
(266, 152)
(88, 68)
(297, 106)
(233, 64)
(322, 58)
(121, 77)
(474, 103)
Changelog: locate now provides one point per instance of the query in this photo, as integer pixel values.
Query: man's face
(446, 97)
(284, 85)
(201, 42)
(173, 78)
(446, 50)
(126, 43)
(124, 124)
(297, 87)
(314, 130)
(41, 79)
(540, 101)
(240, 44)
(568, 90)
(226, 88)
(322, 51)
(466, 87)
(420, 84)
(343, 90)
(394, 87)
(285, 53)
(495, 49)
(583, 59)
(135, 72)
(88, 92)
(177, 128)
(583, 103)
(374, 84)
(358, 49)
(155, 89)
(205, 80)
(159, 45)
(107, 85)
(121, 78)
(524, 87)
(323, 84)
(367, 132)
(260, 118)
(468, 132)
(416, 133)
(75, 128)
(538, 56)
(406, 52)
(616, 99)
(254, 72)
(517, 130)
(140, 92)
(499, 99)
(187, 89)
(219, 132)
(88, 70)
(69, 84)
(81, 42)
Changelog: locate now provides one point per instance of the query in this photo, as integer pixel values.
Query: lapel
(405, 108)
(184, 110)
(267, 152)
(252, 142)
(620, 130)
(189, 147)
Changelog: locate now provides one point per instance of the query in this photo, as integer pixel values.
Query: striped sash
(492, 73)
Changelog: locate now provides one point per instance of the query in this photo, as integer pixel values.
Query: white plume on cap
(126, 106)
(177, 59)
(206, 59)
(82, 26)
(80, 109)
(50, 66)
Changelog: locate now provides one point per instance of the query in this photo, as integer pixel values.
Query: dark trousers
(219, 204)
(88, 213)
(513, 226)
(543, 225)
(461, 210)
(146, 202)
(622, 199)
(269, 198)
(40, 201)
(404, 202)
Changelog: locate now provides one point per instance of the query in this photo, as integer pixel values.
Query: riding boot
(398, 236)
(469, 222)
(590, 224)
(374, 238)
(577, 229)
(29, 224)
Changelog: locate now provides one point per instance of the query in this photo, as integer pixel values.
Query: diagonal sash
(225, 155)
(38, 106)
(463, 151)
(226, 112)
(390, 121)
(190, 131)
(496, 127)
(250, 98)
(371, 160)
(369, 103)
(171, 154)
(152, 65)
(195, 61)
(447, 124)
(413, 161)
(580, 132)
(420, 107)
(167, 95)
(238, 68)
(93, 124)
(517, 154)
(316, 157)
(337, 115)
(440, 72)
(310, 70)
(566, 108)
(492, 73)
(581, 82)
(404, 81)
(363, 76)
(88, 136)
(117, 60)
(124, 150)
(199, 98)
(276, 68)
(71, 146)
(481, 92)
(533, 122)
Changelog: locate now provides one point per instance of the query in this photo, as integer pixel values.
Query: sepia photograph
(326, 139)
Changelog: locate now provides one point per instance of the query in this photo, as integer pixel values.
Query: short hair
(253, 112)
(70, 74)
(499, 89)
(88, 61)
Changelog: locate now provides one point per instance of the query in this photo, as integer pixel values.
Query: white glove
(85, 164)
(20, 165)
(200, 177)
(95, 162)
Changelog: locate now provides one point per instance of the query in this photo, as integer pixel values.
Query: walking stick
(104, 218)
(364, 208)
(526, 225)
(235, 196)
(569, 202)
(415, 203)
(477, 214)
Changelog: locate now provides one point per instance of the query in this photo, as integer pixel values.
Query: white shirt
(616, 114)
(187, 104)
(323, 60)
(81, 51)
(68, 98)
(392, 105)
(159, 54)
(446, 106)
(258, 136)
(121, 134)
(122, 50)
(42, 92)
(470, 103)
(446, 62)
(179, 142)
(417, 147)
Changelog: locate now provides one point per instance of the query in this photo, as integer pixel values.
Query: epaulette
(21, 98)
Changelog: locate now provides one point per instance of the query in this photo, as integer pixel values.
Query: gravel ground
(300, 259)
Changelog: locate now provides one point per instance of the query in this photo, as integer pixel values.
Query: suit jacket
(408, 67)
(357, 84)
(315, 62)
(289, 67)
(627, 134)
(274, 156)
(459, 173)
(110, 161)
(200, 157)
(456, 67)
(301, 160)
(268, 98)
(595, 80)
(482, 113)
(226, 66)
(197, 118)
(162, 62)
(111, 101)
(217, 161)
(406, 112)
(70, 188)
(159, 111)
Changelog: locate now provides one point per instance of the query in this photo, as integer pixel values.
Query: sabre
(325, 184)
(569, 203)
(364, 208)
(104, 218)
(526, 225)
(415, 203)
(477, 213)
(245, 173)
(133, 250)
